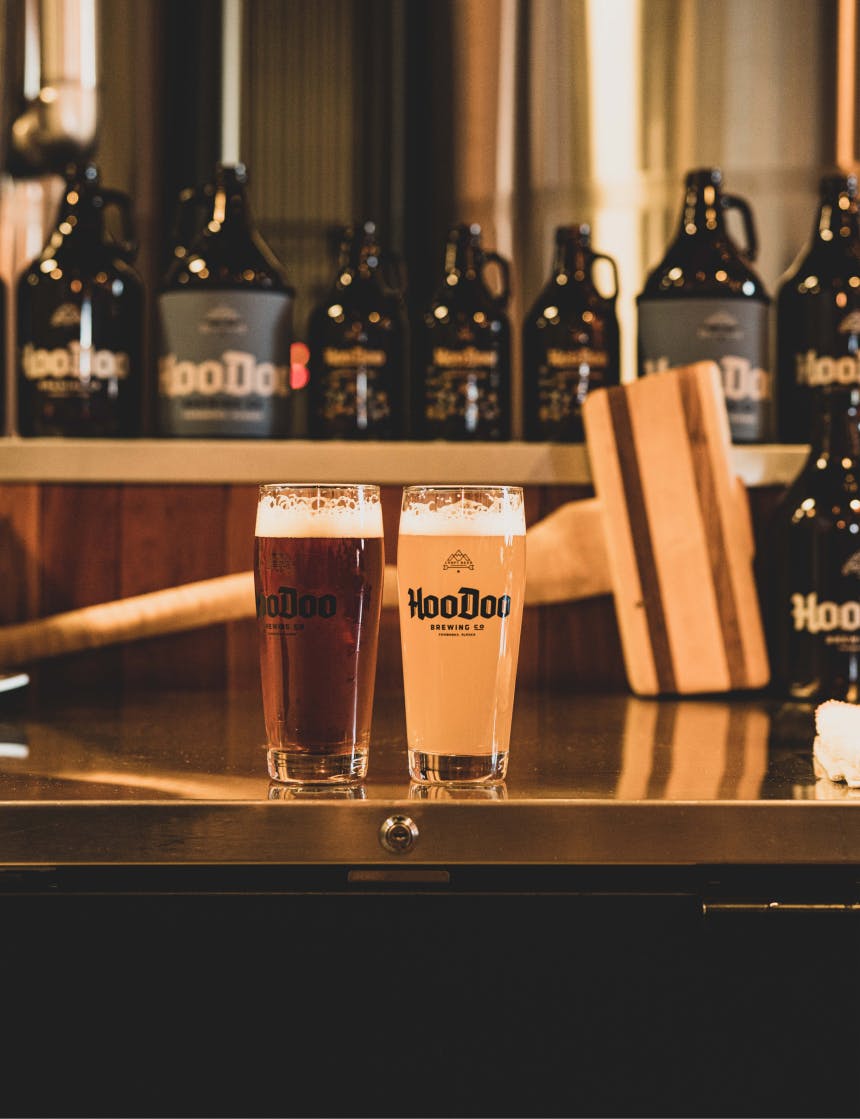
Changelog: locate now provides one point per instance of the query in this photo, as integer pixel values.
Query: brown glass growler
(703, 301)
(225, 314)
(80, 320)
(810, 566)
(818, 311)
(463, 347)
(570, 340)
(358, 341)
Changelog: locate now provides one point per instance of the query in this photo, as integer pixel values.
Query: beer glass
(461, 557)
(318, 570)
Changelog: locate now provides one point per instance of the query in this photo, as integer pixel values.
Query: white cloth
(837, 742)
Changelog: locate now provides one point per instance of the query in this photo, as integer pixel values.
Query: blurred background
(516, 114)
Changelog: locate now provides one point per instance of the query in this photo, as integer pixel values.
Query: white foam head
(463, 511)
(319, 511)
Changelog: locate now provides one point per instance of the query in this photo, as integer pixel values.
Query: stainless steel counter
(631, 926)
(179, 779)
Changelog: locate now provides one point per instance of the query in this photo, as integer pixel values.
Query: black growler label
(463, 384)
(731, 332)
(841, 619)
(825, 611)
(816, 633)
(78, 365)
(355, 386)
(828, 361)
(224, 364)
(565, 377)
(73, 370)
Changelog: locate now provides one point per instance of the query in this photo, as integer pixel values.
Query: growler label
(467, 358)
(565, 379)
(224, 363)
(576, 359)
(355, 355)
(824, 617)
(78, 361)
(72, 366)
(354, 386)
(731, 332)
(819, 370)
(463, 385)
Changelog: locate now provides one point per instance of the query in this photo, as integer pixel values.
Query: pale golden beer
(461, 560)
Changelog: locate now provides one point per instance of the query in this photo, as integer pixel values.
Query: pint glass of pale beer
(318, 570)
(461, 560)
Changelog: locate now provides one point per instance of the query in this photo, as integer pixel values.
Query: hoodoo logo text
(468, 603)
(288, 603)
(237, 374)
(74, 361)
(813, 369)
(817, 617)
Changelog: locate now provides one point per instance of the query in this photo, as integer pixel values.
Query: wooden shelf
(186, 461)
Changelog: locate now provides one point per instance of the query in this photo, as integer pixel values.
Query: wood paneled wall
(69, 545)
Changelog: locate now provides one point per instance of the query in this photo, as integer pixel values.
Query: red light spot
(299, 357)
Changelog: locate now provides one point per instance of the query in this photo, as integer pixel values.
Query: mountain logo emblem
(67, 314)
(458, 561)
(223, 319)
(852, 565)
(720, 325)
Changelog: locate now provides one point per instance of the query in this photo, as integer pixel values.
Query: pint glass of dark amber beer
(318, 570)
(461, 566)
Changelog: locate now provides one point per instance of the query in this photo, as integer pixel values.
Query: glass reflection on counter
(316, 793)
(496, 791)
(693, 750)
(631, 748)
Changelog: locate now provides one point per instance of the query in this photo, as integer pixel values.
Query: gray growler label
(224, 363)
(731, 332)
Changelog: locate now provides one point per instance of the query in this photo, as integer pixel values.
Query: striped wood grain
(678, 534)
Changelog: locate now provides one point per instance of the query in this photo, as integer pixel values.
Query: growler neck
(702, 223)
(836, 224)
(467, 296)
(573, 256)
(230, 213)
(80, 228)
(361, 267)
(702, 212)
(464, 255)
(463, 282)
(229, 251)
(836, 438)
(574, 284)
(462, 287)
(703, 260)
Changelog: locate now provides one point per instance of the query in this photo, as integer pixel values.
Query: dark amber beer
(318, 571)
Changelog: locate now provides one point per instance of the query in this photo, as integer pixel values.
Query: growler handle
(735, 202)
(127, 243)
(611, 262)
(488, 259)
